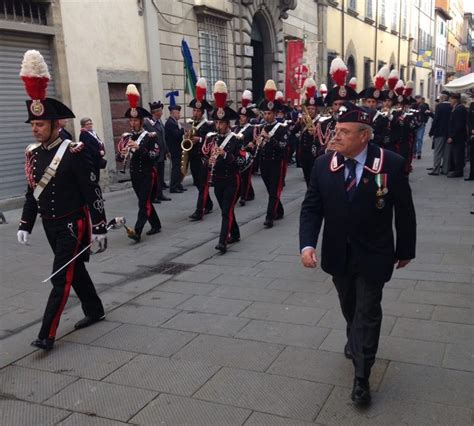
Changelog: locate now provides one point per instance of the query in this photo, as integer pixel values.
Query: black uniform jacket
(247, 135)
(93, 146)
(227, 166)
(143, 159)
(458, 124)
(174, 136)
(203, 130)
(360, 222)
(275, 147)
(440, 124)
(162, 143)
(74, 187)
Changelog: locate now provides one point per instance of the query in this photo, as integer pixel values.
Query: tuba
(186, 147)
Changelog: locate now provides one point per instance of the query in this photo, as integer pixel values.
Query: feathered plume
(201, 88)
(133, 95)
(270, 90)
(399, 87)
(323, 90)
(381, 77)
(310, 87)
(246, 98)
(35, 75)
(338, 71)
(353, 83)
(393, 79)
(408, 88)
(279, 96)
(220, 94)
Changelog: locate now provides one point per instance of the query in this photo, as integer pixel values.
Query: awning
(461, 84)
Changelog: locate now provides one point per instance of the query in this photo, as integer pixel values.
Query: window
(441, 27)
(402, 72)
(367, 73)
(382, 13)
(369, 9)
(212, 33)
(27, 12)
(404, 17)
(394, 16)
(352, 4)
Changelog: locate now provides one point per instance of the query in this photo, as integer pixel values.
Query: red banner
(296, 71)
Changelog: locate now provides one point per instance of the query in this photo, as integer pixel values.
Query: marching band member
(63, 188)
(223, 157)
(142, 148)
(200, 128)
(245, 132)
(335, 98)
(272, 146)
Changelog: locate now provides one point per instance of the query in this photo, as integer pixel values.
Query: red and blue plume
(35, 75)
(220, 94)
(133, 95)
(201, 89)
(338, 71)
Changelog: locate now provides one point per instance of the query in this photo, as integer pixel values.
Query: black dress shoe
(233, 240)
(433, 174)
(429, 168)
(279, 217)
(163, 198)
(195, 217)
(156, 201)
(87, 321)
(165, 186)
(153, 231)
(347, 351)
(176, 191)
(242, 202)
(454, 175)
(268, 223)
(469, 178)
(135, 237)
(207, 211)
(221, 247)
(361, 392)
(45, 344)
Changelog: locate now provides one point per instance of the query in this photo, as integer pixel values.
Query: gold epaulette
(32, 146)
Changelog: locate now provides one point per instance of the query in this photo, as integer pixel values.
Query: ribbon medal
(381, 181)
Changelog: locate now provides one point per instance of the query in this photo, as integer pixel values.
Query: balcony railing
(26, 12)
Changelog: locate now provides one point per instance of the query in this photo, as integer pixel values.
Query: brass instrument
(186, 146)
(307, 120)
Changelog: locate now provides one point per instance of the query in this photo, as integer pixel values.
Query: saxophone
(186, 147)
(307, 120)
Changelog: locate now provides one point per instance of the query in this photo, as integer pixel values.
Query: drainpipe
(399, 35)
(342, 28)
(376, 34)
(241, 37)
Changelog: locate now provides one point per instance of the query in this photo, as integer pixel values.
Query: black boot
(153, 231)
(87, 321)
(45, 344)
(268, 223)
(221, 247)
(195, 217)
(361, 392)
(347, 351)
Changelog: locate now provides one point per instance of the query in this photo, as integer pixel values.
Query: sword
(115, 223)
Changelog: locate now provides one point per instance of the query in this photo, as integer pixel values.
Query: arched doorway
(262, 59)
(351, 67)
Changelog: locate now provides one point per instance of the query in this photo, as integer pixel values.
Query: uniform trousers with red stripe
(273, 175)
(307, 160)
(144, 185)
(67, 237)
(227, 191)
(247, 192)
(200, 174)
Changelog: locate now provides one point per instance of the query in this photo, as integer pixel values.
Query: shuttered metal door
(15, 135)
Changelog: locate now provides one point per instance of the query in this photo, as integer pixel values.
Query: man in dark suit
(174, 136)
(470, 123)
(156, 109)
(93, 145)
(439, 132)
(355, 191)
(457, 136)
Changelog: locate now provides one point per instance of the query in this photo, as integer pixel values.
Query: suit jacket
(367, 228)
(458, 124)
(174, 137)
(160, 133)
(440, 125)
(93, 147)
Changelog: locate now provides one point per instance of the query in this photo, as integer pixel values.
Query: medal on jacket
(381, 181)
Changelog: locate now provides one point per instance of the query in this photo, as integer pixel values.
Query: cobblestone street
(249, 337)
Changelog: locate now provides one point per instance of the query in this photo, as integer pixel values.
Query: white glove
(23, 237)
(101, 240)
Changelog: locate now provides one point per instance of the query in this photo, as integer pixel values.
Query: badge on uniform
(382, 190)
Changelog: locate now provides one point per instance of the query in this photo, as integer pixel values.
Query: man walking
(174, 136)
(439, 131)
(422, 117)
(355, 191)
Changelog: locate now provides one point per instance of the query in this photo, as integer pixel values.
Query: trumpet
(186, 147)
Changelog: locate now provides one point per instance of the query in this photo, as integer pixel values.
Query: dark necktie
(351, 180)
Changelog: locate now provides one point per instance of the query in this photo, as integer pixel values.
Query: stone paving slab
(214, 305)
(163, 375)
(456, 315)
(242, 281)
(283, 313)
(436, 298)
(223, 351)
(261, 419)
(177, 410)
(161, 299)
(253, 294)
(77, 360)
(284, 333)
(309, 286)
(408, 310)
(89, 334)
(77, 419)
(31, 385)
(459, 357)
(268, 393)
(390, 412)
(101, 399)
(443, 287)
(141, 315)
(322, 367)
(206, 323)
(428, 384)
(145, 340)
(20, 413)
(187, 287)
(322, 301)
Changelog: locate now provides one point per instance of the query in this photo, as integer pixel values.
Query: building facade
(441, 41)
(455, 40)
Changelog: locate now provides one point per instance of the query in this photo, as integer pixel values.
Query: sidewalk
(251, 337)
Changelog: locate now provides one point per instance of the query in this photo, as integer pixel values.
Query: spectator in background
(457, 136)
(439, 132)
(63, 133)
(174, 136)
(94, 146)
(470, 124)
(422, 117)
